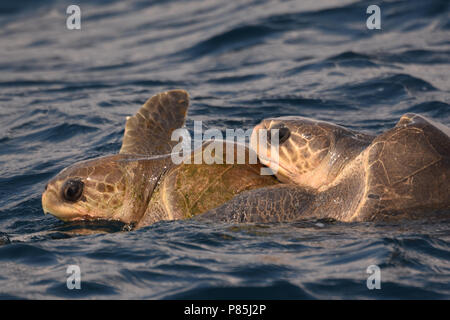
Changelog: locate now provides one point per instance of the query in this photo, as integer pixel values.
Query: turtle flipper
(149, 131)
(279, 203)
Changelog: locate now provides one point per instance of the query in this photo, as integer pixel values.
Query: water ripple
(65, 95)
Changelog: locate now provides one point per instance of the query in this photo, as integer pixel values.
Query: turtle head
(93, 189)
(118, 187)
(311, 153)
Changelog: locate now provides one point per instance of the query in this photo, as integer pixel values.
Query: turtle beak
(44, 201)
(260, 143)
(254, 138)
(48, 200)
(52, 204)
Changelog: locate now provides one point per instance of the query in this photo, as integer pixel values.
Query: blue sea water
(64, 96)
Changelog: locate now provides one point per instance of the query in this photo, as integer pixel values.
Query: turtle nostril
(45, 188)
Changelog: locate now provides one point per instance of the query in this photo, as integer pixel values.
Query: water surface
(64, 96)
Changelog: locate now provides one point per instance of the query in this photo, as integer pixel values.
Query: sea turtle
(141, 185)
(333, 172)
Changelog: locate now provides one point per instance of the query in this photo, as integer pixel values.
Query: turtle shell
(190, 189)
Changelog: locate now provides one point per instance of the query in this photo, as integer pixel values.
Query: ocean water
(64, 96)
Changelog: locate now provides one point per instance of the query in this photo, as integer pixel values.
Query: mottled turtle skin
(141, 185)
(333, 172)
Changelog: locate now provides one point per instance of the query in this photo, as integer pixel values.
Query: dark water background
(64, 96)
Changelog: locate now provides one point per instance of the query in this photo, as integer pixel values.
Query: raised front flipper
(148, 132)
(279, 203)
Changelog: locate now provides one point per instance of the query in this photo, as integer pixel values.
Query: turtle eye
(283, 134)
(72, 190)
